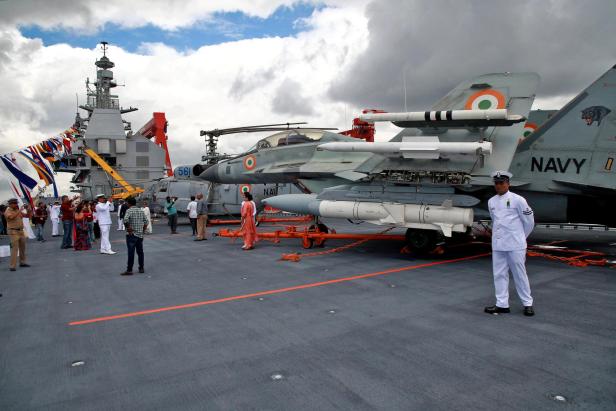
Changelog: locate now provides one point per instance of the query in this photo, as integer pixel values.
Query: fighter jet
(433, 185)
(411, 171)
(289, 156)
(566, 167)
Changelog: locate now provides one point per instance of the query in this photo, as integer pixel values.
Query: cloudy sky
(216, 63)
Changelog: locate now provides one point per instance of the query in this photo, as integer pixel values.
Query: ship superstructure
(136, 157)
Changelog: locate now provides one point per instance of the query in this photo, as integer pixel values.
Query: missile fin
(446, 229)
(395, 213)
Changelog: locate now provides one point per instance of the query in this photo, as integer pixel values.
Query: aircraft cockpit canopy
(287, 138)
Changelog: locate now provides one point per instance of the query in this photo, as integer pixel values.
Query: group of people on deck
(83, 222)
(197, 210)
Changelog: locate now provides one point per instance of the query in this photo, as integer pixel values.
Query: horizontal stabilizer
(350, 175)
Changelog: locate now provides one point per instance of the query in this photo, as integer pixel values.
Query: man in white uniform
(512, 222)
(54, 214)
(121, 211)
(103, 215)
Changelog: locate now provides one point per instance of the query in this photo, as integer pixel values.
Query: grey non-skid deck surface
(414, 339)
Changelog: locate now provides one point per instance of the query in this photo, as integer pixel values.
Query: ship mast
(100, 96)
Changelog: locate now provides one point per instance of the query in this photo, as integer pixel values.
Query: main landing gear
(422, 241)
(317, 227)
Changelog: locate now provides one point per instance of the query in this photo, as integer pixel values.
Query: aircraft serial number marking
(556, 164)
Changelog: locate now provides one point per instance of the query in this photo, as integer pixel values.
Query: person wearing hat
(103, 216)
(15, 225)
(54, 214)
(512, 222)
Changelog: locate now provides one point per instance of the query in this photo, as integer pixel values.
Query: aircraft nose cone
(211, 174)
(297, 203)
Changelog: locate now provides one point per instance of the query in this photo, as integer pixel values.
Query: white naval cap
(101, 195)
(501, 175)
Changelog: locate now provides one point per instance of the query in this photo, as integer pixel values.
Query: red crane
(157, 128)
(363, 129)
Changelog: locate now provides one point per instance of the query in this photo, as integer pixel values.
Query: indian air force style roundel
(485, 100)
(528, 129)
(245, 188)
(250, 162)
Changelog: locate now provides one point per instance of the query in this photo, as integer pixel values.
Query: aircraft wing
(488, 181)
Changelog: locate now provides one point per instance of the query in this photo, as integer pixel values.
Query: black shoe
(127, 273)
(528, 311)
(12, 269)
(141, 271)
(198, 239)
(495, 309)
(24, 265)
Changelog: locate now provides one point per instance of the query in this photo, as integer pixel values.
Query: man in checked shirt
(135, 223)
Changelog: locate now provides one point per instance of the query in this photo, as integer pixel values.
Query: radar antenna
(104, 47)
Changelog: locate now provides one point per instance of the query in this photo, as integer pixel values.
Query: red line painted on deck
(270, 292)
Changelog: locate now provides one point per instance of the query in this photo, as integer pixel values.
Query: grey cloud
(440, 43)
(289, 99)
(46, 13)
(246, 83)
(10, 46)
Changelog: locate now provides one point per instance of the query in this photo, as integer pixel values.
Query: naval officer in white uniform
(103, 216)
(512, 222)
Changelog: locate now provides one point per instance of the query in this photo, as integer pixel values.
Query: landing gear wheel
(321, 228)
(421, 241)
(307, 243)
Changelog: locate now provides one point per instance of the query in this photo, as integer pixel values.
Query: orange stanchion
(317, 237)
(262, 219)
(312, 237)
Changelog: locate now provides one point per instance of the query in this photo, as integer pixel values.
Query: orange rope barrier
(296, 257)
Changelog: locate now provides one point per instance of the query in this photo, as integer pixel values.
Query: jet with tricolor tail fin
(433, 177)
(566, 167)
(412, 181)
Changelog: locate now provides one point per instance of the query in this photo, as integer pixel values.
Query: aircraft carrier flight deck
(208, 326)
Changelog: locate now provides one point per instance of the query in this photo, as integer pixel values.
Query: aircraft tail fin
(514, 92)
(577, 145)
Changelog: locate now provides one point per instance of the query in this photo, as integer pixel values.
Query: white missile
(445, 217)
(412, 147)
(448, 118)
(495, 114)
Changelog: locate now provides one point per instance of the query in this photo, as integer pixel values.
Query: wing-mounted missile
(447, 119)
(445, 218)
(413, 148)
(431, 208)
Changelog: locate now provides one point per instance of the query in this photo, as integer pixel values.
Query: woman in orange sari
(249, 228)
